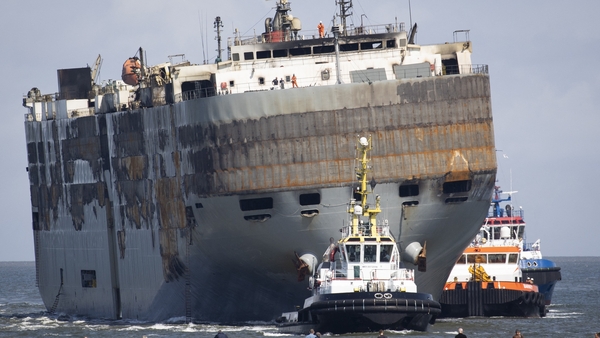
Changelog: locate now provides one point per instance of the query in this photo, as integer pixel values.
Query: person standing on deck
(311, 334)
(321, 28)
(294, 83)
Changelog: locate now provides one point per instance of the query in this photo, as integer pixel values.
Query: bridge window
(235, 57)
(280, 53)
(323, 49)
(370, 253)
(300, 51)
(349, 47)
(385, 253)
(353, 252)
(371, 45)
(497, 258)
(476, 258)
(263, 54)
(249, 56)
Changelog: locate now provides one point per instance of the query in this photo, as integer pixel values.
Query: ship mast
(218, 26)
(345, 6)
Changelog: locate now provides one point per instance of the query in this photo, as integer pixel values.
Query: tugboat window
(353, 252)
(248, 56)
(385, 253)
(497, 258)
(370, 253)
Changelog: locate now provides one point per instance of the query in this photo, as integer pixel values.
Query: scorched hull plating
(138, 214)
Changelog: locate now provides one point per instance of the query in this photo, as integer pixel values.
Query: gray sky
(542, 56)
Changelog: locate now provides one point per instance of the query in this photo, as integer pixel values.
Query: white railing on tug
(364, 230)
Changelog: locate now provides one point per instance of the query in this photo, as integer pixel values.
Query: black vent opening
(409, 190)
(457, 186)
(256, 204)
(310, 199)
(456, 199)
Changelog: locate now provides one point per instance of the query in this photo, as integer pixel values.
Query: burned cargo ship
(186, 192)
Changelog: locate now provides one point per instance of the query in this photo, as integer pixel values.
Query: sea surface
(575, 312)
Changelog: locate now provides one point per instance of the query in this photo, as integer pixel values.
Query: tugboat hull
(363, 312)
(476, 299)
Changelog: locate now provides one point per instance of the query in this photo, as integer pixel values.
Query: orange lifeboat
(129, 75)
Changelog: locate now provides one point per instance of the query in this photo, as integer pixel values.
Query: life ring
(378, 295)
(223, 85)
(387, 295)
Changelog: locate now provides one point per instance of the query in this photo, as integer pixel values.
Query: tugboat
(487, 279)
(361, 284)
(487, 282)
(543, 272)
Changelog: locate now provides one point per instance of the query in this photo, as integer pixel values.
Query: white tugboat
(360, 285)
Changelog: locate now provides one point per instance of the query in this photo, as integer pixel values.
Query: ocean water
(575, 312)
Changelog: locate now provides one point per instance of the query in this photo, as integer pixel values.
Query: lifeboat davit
(130, 71)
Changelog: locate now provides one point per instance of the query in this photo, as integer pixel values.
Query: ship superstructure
(169, 196)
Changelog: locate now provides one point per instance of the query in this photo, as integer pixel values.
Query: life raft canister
(129, 75)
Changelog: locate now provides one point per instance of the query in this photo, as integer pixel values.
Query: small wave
(276, 334)
(563, 314)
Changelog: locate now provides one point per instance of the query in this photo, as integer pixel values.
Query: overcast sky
(542, 56)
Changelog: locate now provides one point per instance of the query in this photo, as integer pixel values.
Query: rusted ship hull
(195, 209)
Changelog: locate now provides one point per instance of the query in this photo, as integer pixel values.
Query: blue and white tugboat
(541, 271)
(360, 285)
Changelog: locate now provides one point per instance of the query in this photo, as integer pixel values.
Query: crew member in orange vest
(321, 28)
